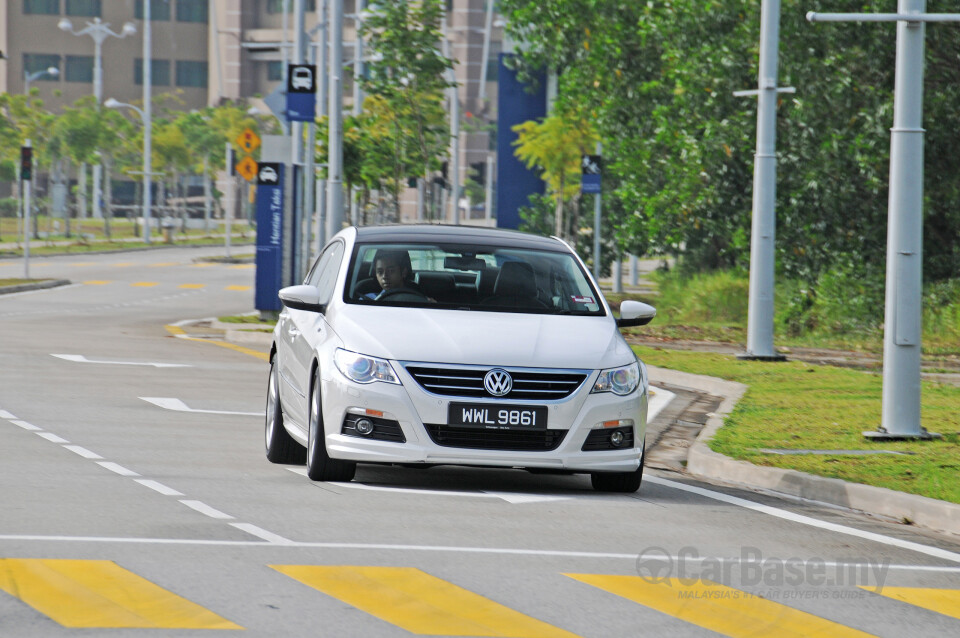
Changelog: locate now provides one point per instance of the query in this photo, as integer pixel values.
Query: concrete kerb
(705, 463)
(36, 285)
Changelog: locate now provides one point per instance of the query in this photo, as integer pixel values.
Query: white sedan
(455, 345)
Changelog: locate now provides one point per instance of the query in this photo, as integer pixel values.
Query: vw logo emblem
(498, 382)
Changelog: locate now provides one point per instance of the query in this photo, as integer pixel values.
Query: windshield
(470, 277)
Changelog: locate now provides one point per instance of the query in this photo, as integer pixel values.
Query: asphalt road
(135, 496)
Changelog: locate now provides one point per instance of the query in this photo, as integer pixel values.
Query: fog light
(616, 438)
(365, 427)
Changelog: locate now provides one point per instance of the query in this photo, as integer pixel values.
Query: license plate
(497, 417)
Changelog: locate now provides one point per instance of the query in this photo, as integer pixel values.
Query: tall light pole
(100, 31)
(30, 77)
(335, 120)
(147, 163)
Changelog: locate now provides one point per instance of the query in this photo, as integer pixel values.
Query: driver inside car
(390, 271)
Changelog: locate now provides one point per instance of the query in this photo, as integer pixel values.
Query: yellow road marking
(123, 264)
(242, 266)
(717, 607)
(163, 263)
(100, 593)
(942, 601)
(418, 602)
(97, 282)
(180, 332)
(203, 264)
(241, 288)
(83, 263)
(192, 285)
(144, 284)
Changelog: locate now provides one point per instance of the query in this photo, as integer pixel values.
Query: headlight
(620, 381)
(364, 369)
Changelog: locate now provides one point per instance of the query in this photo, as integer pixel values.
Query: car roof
(497, 237)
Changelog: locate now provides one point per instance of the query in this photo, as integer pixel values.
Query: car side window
(324, 275)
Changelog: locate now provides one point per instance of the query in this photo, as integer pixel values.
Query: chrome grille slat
(528, 384)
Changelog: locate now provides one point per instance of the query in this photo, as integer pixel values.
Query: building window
(276, 6)
(192, 10)
(78, 68)
(36, 62)
(190, 73)
(159, 72)
(274, 71)
(85, 8)
(41, 7)
(159, 10)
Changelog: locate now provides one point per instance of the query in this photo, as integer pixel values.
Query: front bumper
(413, 409)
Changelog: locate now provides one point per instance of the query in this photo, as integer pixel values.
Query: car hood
(481, 338)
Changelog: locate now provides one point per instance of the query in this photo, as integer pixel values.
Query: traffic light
(26, 163)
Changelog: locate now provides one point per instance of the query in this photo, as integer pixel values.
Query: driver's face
(389, 274)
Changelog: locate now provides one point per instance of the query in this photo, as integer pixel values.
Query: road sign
(590, 166)
(301, 92)
(248, 140)
(247, 168)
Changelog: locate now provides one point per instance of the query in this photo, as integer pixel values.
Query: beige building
(206, 51)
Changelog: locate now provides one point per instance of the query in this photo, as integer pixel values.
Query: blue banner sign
(269, 235)
(301, 92)
(591, 167)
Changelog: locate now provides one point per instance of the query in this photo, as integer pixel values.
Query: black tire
(320, 467)
(281, 447)
(620, 482)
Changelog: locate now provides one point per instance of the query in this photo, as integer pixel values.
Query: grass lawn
(795, 405)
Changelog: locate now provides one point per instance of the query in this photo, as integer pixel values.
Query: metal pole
(632, 270)
(485, 56)
(335, 110)
(323, 68)
(147, 122)
(454, 168)
(902, 314)
(617, 275)
(309, 173)
(357, 98)
(421, 204)
(596, 228)
(232, 185)
(26, 221)
(299, 57)
(488, 189)
(98, 94)
(760, 306)
(206, 192)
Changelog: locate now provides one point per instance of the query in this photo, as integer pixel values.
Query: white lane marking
(6, 415)
(659, 399)
(270, 537)
(936, 552)
(945, 569)
(82, 451)
(179, 406)
(205, 509)
(115, 467)
(510, 497)
(26, 426)
(158, 487)
(79, 358)
(53, 438)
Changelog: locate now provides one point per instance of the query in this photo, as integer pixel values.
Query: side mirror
(302, 298)
(635, 313)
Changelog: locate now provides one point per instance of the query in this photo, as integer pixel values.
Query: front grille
(510, 440)
(600, 439)
(528, 384)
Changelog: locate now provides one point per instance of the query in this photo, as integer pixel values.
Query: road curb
(703, 462)
(37, 285)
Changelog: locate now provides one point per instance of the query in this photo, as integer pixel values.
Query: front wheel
(320, 467)
(621, 482)
(281, 448)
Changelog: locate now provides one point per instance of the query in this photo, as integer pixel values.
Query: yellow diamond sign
(246, 168)
(248, 140)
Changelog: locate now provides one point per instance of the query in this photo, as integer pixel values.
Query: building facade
(207, 51)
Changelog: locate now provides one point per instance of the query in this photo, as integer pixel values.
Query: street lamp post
(147, 161)
(99, 31)
(30, 77)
